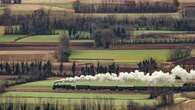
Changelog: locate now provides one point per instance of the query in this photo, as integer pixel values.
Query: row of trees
(188, 12)
(36, 23)
(40, 22)
(93, 70)
(104, 37)
(153, 41)
(10, 1)
(36, 70)
(148, 65)
(128, 7)
(89, 69)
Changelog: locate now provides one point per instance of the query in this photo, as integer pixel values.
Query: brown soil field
(186, 105)
(47, 1)
(87, 1)
(186, 36)
(28, 8)
(11, 56)
(43, 46)
(53, 46)
(187, 61)
(7, 77)
(25, 52)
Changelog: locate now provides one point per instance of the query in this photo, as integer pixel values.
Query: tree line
(188, 12)
(10, 1)
(104, 30)
(37, 23)
(148, 66)
(127, 7)
(36, 70)
(92, 70)
(146, 40)
(40, 22)
(88, 69)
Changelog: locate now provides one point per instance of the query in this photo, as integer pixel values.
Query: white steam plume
(156, 77)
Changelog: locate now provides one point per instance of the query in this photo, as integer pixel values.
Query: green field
(41, 38)
(137, 33)
(1, 81)
(49, 83)
(72, 98)
(10, 38)
(36, 38)
(118, 56)
(1, 9)
(60, 5)
(76, 95)
(43, 83)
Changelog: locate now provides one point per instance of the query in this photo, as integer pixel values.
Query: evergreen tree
(176, 3)
(73, 68)
(148, 65)
(48, 68)
(61, 68)
(63, 49)
(17, 69)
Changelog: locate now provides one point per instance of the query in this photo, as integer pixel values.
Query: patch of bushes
(148, 65)
(177, 54)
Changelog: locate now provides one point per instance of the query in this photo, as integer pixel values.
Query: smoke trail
(154, 78)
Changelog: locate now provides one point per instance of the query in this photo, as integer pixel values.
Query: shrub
(177, 54)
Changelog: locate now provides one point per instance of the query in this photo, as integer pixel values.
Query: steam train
(187, 87)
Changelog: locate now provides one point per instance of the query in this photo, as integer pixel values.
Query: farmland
(96, 54)
(10, 38)
(89, 56)
(70, 99)
(49, 83)
(76, 95)
(41, 38)
(26, 55)
(119, 56)
(141, 32)
(132, 16)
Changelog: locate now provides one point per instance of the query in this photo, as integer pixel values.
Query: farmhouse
(10, 1)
